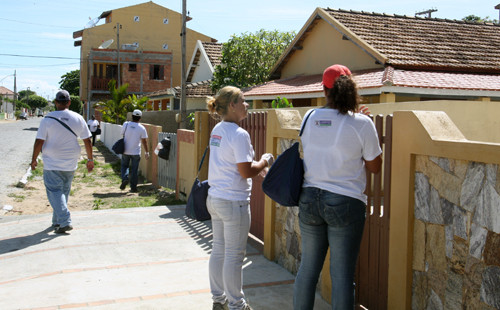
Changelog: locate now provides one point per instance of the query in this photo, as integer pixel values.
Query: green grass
(148, 198)
(107, 174)
(17, 197)
(38, 172)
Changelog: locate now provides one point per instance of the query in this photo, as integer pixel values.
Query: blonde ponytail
(221, 102)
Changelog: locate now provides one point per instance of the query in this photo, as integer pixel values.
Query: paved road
(17, 138)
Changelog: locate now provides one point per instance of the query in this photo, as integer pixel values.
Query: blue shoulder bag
(283, 181)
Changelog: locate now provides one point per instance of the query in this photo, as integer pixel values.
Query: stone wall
(287, 232)
(456, 242)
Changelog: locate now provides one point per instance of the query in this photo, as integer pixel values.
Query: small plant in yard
(97, 204)
(17, 198)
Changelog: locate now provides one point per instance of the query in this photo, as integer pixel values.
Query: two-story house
(139, 45)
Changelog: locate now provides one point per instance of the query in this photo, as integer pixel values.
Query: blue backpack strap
(305, 122)
(202, 160)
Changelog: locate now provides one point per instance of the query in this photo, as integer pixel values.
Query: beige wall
(191, 146)
(150, 32)
(477, 120)
(149, 168)
(324, 47)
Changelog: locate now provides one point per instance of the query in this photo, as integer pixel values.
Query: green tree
(247, 59)
(36, 101)
(76, 104)
(115, 110)
(24, 94)
(71, 82)
(477, 19)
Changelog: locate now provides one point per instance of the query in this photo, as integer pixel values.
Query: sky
(36, 36)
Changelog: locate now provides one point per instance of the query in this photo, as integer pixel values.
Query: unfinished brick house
(138, 45)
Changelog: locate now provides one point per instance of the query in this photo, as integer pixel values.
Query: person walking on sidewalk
(93, 126)
(57, 139)
(338, 144)
(134, 135)
(231, 167)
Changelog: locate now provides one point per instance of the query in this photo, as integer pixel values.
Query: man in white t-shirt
(93, 126)
(57, 139)
(134, 135)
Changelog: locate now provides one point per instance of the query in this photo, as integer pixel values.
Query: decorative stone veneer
(456, 242)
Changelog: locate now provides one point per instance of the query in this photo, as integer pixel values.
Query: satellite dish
(92, 22)
(106, 44)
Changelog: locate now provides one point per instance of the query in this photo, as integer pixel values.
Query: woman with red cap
(338, 144)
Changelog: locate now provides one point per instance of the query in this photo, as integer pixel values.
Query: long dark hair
(343, 96)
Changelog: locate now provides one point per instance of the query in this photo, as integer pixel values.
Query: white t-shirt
(61, 150)
(93, 124)
(134, 132)
(229, 145)
(334, 148)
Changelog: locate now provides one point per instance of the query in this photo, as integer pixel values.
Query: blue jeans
(230, 227)
(130, 164)
(58, 186)
(327, 220)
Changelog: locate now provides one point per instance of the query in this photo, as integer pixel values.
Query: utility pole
(428, 12)
(28, 97)
(15, 91)
(183, 67)
(118, 26)
(497, 7)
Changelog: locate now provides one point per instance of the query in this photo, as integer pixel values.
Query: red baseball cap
(332, 73)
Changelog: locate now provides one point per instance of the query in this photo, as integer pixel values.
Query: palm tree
(115, 110)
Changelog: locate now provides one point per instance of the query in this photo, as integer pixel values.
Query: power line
(33, 56)
(3, 65)
(23, 22)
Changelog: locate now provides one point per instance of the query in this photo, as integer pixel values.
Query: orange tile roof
(383, 77)
(427, 44)
(214, 52)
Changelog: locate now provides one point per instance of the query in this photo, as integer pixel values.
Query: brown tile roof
(214, 52)
(427, 44)
(382, 77)
(193, 90)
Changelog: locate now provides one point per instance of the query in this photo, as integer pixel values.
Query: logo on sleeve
(323, 123)
(215, 140)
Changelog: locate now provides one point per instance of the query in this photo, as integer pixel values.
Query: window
(155, 72)
(132, 67)
(112, 72)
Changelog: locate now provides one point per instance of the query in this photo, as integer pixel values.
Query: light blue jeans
(58, 186)
(230, 227)
(130, 165)
(327, 220)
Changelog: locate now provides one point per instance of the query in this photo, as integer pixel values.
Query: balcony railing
(100, 83)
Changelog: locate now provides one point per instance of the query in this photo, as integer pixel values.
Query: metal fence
(167, 169)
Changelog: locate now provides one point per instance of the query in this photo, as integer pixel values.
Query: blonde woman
(230, 170)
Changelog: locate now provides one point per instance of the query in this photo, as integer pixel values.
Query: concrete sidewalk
(141, 258)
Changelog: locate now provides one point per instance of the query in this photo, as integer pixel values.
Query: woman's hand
(269, 158)
(364, 110)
